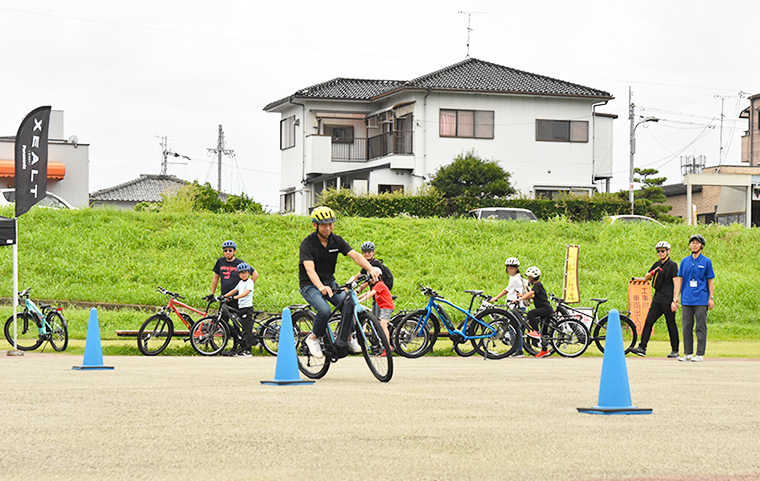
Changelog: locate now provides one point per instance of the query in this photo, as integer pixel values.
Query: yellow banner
(639, 300)
(570, 291)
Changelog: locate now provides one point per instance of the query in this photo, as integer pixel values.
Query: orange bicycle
(156, 332)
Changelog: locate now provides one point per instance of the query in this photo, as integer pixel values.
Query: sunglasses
(660, 251)
(228, 250)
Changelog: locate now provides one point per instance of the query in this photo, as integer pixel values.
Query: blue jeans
(319, 302)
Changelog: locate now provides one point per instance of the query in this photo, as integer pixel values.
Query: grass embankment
(110, 256)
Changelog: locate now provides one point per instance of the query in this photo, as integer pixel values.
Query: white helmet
(533, 272)
(512, 261)
(662, 245)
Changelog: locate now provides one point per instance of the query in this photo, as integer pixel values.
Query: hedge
(431, 203)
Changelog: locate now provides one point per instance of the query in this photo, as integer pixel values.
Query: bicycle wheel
(59, 335)
(208, 336)
(628, 327)
(270, 334)
(155, 334)
(466, 348)
(569, 337)
(374, 345)
(412, 342)
(28, 334)
(501, 343)
(312, 367)
(533, 346)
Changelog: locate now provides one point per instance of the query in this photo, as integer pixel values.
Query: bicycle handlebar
(169, 293)
(428, 291)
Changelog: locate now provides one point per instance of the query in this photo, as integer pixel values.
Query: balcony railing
(398, 142)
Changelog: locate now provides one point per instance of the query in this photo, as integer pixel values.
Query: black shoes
(639, 351)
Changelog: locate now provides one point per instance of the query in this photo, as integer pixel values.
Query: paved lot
(438, 419)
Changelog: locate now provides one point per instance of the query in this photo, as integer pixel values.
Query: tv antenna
(166, 152)
(469, 29)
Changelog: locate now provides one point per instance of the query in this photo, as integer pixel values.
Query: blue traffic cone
(93, 350)
(286, 372)
(614, 392)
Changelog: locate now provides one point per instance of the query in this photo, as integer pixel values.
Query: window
(388, 188)
(287, 202)
(562, 130)
(470, 124)
(340, 133)
(288, 133)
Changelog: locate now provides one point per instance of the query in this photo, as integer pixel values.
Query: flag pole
(15, 351)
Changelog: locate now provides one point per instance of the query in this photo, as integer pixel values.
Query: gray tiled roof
(470, 75)
(146, 188)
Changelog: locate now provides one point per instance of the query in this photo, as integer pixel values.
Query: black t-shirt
(662, 281)
(227, 271)
(540, 298)
(324, 258)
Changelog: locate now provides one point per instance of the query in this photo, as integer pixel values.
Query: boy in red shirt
(384, 301)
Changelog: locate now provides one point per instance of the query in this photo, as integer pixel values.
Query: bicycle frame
(173, 303)
(358, 308)
(30, 306)
(433, 304)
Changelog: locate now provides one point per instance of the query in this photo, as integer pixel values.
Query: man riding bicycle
(316, 274)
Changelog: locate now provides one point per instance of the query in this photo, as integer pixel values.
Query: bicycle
(35, 325)
(156, 332)
(209, 335)
(491, 331)
(366, 328)
(628, 327)
(566, 335)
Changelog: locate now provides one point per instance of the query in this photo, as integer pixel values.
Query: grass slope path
(119, 257)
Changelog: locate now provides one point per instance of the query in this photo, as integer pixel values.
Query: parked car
(51, 200)
(632, 218)
(503, 213)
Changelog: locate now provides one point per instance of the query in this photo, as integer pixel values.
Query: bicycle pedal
(186, 339)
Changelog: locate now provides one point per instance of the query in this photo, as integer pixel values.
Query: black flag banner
(31, 159)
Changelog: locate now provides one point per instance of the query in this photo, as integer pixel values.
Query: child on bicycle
(515, 288)
(243, 293)
(543, 307)
(382, 295)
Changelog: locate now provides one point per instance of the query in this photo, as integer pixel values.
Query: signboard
(570, 291)
(7, 231)
(639, 300)
(31, 159)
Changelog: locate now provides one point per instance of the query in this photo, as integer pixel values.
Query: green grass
(112, 256)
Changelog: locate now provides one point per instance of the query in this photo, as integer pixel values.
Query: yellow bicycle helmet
(323, 215)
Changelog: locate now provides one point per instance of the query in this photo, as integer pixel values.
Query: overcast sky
(127, 72)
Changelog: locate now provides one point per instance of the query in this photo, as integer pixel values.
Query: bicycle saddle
(600, 301)
(43, 305)
(474, 293)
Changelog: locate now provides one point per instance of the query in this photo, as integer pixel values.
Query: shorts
(386, 314)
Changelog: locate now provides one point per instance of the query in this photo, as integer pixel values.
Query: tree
(471, 176)
(651, 191)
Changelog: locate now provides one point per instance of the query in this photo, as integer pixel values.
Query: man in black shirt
(543, 308)
(316, 274)
(662, 272)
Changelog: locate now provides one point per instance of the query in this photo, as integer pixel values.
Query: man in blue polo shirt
(695, 285)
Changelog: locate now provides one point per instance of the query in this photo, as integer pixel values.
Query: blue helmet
(229, 244)
(244, 267)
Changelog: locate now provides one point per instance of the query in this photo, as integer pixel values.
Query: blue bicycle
(35, 325)
(492, 332)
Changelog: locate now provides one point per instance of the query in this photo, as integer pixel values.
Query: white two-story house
(388, 135)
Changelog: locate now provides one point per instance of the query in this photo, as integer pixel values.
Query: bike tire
(466, 348)
(209, 337)
(270, 335)
(411, 344)
(311, 366)
(569, 337)
(374, 345)
(630, 334)
(505, 341)
(28, 334)
(155, 334)
(533, 346)
(59, 337)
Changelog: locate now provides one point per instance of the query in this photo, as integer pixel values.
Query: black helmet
(699, 238)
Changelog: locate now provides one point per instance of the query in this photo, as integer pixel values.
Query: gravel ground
(439, 418)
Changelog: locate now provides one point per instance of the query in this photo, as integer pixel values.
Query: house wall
(751, 139)
(602, 138)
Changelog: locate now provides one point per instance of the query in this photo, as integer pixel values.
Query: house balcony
(362, 150)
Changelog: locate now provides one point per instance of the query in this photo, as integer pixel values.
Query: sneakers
(543, 353)
(639, 351)
(315, 347)
(673, 355)
(533, 334)
(518, 354)
(353, 346)
(697, 359)
(686, 358)
(244, 354)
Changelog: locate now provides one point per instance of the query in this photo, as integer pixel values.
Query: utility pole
(219, 151)
(469, 18)
(166, 152)
(631, 120)
(720, 150)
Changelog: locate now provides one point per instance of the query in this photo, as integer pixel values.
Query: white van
(503, 213)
